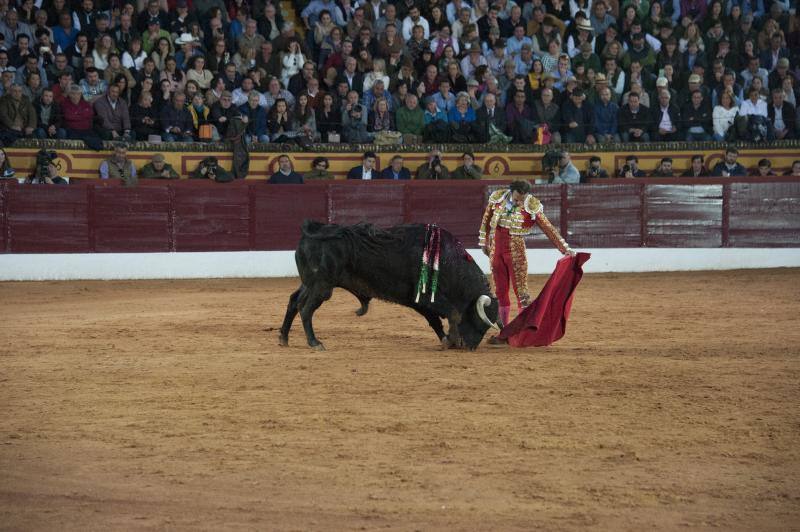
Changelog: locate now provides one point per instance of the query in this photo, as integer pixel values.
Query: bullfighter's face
(518, 198)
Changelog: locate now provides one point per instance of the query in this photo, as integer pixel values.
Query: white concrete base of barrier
(41, 267)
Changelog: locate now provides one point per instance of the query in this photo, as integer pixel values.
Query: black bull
(385, 264)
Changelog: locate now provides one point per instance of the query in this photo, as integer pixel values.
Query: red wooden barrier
(101, 216)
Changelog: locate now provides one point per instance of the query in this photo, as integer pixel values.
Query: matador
(508, 219)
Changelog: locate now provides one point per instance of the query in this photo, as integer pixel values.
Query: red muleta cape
(545, 320)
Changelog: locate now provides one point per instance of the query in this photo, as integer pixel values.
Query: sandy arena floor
(673, 402)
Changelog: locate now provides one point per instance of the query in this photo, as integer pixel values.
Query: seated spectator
(436, 129)
(144, 117)
(319, 169)
(304, 120)
(6, 170)
(764, 168)
(595, 171)
(198, 72)
(433, 168)
(255, 118)
(395, 170)
(241, 94)
(377, 92)
(490, 119)
(366, 170)
(443, 97)
(158, 168)
(696, 118)
(729, 167)
(275, 93)
(381, 118)
(176, 121)
(723, 116)
(329, 119)
(118, 166)
(410, 120)
(565, 172)
(49, 117)
(354, 129)
(782, 116)
(92, 86)
(697, 168)
(222, 112)
(520, 120)
(468, 170)
(631, 168)
(279, 122)
(33, 86)
(754, 104)
(61, 88)
(578, 120)
(462, 112)
(78, 115)
(201, 123)
(664, 168)
(17, 116)
(794, 170)
(605, 118)
(665, 118)
(113, 116)
(285, 174)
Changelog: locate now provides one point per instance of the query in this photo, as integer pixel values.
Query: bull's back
(386, 268)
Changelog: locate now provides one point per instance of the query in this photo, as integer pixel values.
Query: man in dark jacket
(578, 120)
(729, 167)
(634, 120)
(697, 118)
(490, 114)
(782, 117)
(49, 117)
(222, 112)
(176, 120)
(665, 118)
(113, 116)
(285, 174)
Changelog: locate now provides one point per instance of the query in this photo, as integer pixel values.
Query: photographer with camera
(595, 171)
(46, 171)
(564, 171)
(433, 169)
(631, 168)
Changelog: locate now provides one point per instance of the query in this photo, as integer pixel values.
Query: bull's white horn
(480, 307)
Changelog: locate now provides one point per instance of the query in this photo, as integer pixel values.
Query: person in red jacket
(78, 118)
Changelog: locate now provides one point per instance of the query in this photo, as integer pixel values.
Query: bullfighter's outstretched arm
(553, 234)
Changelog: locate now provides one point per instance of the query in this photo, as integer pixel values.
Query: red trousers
(503, 272)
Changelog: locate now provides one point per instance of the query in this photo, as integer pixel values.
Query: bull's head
(480, 317)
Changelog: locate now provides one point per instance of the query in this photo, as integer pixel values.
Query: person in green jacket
(410, 120)
(468, 170)
(319, 169)
(158, 168)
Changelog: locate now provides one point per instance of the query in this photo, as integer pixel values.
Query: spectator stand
(497, 162)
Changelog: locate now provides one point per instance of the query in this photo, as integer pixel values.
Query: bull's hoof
(361, 311)
(283, 341)
(318, 347)
(494, 340)
(444, 344)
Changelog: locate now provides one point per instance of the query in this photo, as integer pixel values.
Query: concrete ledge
(108, 266)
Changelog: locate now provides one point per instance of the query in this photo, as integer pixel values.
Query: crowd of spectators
(533, 71)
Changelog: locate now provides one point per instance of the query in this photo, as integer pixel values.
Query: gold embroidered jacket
(518, 220)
